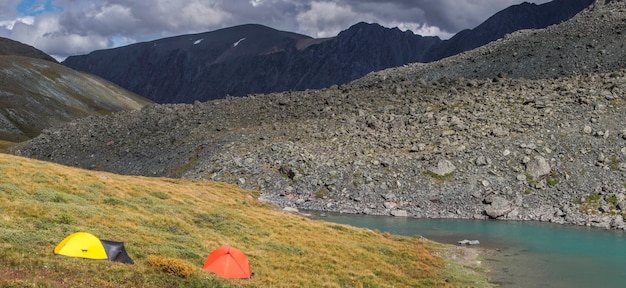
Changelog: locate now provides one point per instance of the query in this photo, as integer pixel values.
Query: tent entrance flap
(116, 251)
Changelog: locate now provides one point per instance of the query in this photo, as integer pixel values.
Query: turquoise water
(522, 254)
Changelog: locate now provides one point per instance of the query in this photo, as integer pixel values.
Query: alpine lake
(518, 254)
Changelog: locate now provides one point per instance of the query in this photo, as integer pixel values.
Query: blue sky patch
(36, 7)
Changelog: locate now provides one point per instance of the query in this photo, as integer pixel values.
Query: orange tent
(228, 262)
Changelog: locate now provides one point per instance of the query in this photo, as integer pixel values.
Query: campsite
(215, 193)
(43, 203)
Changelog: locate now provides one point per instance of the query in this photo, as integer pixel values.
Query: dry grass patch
(41, 203)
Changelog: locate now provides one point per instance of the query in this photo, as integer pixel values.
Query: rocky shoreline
(548, 149)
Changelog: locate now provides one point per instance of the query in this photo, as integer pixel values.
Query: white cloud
(457, 15)
(420, 29)
(46, 34)
(256, 3)
(196, 14)
(8, 24)
(105, 20)
(120, 40)
(80, 26)
(111, 13)
(325, 19)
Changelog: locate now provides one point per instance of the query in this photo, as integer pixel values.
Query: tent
(86, 245)
(228, 262)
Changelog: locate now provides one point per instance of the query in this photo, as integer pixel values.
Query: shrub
(12, 190)
(160, 195)
(172, 266)
(611, 200)
(552, 182)
(65, 218)
(322, 193)
(113, 201)
(49, 195)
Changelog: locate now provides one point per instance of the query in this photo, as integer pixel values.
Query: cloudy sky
(71, 27)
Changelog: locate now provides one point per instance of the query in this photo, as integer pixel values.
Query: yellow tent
(81, 244)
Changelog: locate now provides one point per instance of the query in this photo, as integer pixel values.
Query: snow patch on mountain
(239, 41)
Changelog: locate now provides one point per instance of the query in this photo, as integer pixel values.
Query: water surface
(521, 254)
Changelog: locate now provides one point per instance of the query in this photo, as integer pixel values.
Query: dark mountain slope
(174, 70)
(563, 50)
(514, 18)
(357, 51)
(11, 47)
(345, 57)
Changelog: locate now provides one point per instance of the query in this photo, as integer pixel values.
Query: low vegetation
(5, 145)
(590, 204)
(169, 226)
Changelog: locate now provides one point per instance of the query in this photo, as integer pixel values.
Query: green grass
(169, 225)
(589, 204)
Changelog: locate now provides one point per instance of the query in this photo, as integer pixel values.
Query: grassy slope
(41, 203)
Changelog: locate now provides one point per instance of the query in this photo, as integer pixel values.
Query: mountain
(565, 50)
(252, 59)
(38, 93)
(15, 48)
(172, 69)
(517, 17)
(397, 143)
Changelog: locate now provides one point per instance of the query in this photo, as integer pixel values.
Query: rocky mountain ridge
(207, 66)
(570, 48)
(471, 145)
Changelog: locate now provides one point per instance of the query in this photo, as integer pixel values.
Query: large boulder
(537, 167)
(443, 168)
(497, 206)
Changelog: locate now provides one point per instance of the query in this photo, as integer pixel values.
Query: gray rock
(482, 161)
(537, 167)
(291, 209)
(500, 132)
(469, 242)
(443, 167)
(399, 213)
(498, 207)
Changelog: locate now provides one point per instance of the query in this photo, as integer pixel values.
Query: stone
(498, 207)
(390, 205)
(469, 242)
(500, 132)
(291, 209)
(537, 167)
(399, 213)
(444, 167)
(482, 161)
